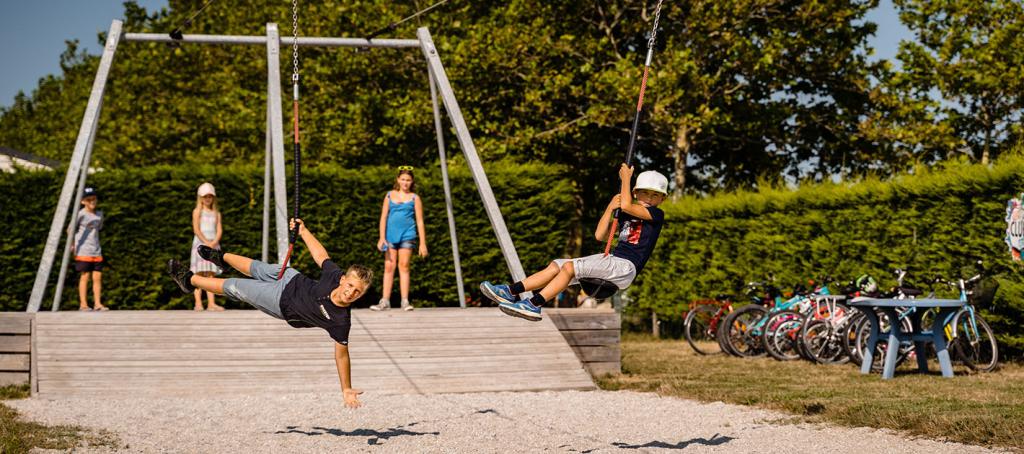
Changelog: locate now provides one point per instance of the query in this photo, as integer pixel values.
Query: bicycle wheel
(977, 348)
(736, 331)
(699, 331)
(848, 337)
(781, 335)
(821, 343)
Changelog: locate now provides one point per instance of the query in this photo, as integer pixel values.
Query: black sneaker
(214, 255)
(181, 275)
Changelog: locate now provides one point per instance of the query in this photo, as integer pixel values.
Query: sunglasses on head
(406, 167)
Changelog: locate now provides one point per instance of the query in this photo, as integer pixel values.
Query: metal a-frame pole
(265, 239)
(75, 168)
(277, 140)
(469, 151)
(447, 188)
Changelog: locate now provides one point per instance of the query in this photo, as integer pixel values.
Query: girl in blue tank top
(401, 231)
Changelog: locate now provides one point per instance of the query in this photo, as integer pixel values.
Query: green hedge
(148, 213)
(932, 223)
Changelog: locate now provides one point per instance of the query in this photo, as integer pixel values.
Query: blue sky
(40, 27)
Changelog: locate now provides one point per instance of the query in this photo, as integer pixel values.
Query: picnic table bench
(895, 335)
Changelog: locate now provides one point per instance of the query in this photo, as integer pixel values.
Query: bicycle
(701, 324)
(970, 335)
(736, 336)
(821, 335)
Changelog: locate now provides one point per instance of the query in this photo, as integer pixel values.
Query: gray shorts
(616, 270)
(263, 291)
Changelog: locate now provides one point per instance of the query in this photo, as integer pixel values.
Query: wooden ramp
(247, 352)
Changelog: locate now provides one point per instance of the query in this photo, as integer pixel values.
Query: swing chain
(654, 30)
(295, 41)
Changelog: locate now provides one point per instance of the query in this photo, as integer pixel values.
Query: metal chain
(295, 41)
(654, 31)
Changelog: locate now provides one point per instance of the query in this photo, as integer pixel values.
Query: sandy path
(490, 422)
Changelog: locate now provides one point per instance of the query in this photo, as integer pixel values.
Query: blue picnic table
(895, 335)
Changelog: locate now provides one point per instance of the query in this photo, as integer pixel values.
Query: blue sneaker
(522, 309)
(500, 293)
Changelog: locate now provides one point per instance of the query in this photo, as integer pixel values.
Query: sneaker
(213, 255)
(500, 293)
(181, 275)
(522, 309)
(406, 305)
(383, 305)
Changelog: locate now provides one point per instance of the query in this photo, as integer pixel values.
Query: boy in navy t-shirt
(301, 301)
(641, 224)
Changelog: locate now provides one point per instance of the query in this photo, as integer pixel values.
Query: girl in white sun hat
(641, 223)
(207, 228)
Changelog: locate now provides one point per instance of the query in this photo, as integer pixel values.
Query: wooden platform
(594, 335)
(15, 348)
(184, 352)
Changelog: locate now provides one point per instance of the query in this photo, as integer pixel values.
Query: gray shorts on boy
(263, 291)
(616, 270)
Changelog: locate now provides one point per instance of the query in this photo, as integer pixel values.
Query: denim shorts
(408, 244)
(263, 291)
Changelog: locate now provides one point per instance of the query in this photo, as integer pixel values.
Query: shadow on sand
(373, 437)
(715, 440)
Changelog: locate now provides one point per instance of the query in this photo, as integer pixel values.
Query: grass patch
(17, 435)
(986, 409)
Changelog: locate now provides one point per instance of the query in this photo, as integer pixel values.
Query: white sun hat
(652, 181)
(206, 189)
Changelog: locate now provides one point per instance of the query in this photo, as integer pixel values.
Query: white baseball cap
(206, 189)
(652, 181)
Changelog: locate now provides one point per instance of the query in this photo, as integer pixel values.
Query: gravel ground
(598, 422)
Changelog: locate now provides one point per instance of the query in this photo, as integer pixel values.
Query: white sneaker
(383, 305)
(406, 305)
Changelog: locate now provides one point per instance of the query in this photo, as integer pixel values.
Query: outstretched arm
(341, 359)
(315, 248)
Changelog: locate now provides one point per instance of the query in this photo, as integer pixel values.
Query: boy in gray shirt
(88, 253)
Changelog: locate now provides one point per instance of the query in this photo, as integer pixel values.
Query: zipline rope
(636, 119)
(296, 161)
(393, 25)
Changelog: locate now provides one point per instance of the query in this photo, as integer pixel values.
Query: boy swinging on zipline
(299, 300)
(640, 228)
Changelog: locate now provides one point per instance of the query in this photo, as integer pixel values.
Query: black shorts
(86, 267)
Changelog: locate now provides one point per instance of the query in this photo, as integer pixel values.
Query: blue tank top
(401, 221)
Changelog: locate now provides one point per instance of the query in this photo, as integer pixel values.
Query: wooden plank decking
(184, 352)
(15, 348)
(594, 335)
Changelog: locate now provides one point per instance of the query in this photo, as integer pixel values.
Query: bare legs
(210, 304)
(404, 255)
(216, 285)
(238, 262)
(551, 280)
(395, 258)
(83, 290)
(390, 261)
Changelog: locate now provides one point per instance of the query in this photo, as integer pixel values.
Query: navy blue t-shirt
(306, 303)
(638, 237)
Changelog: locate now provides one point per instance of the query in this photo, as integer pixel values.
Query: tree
(969, 57)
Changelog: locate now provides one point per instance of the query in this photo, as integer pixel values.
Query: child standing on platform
(88, 253)
(207, 228)
(401, 227)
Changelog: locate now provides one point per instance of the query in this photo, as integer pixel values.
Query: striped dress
(208, 225)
